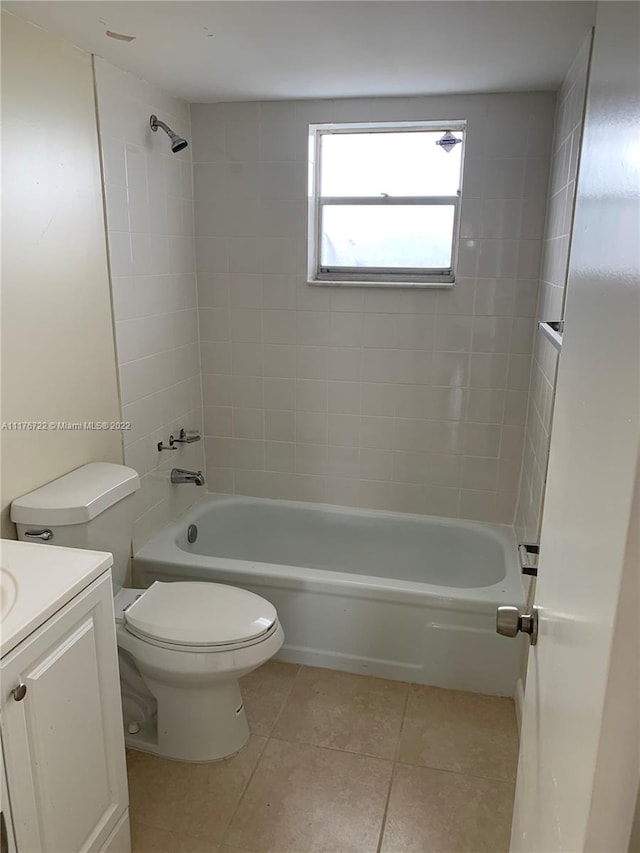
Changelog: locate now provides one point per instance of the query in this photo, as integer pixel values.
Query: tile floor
(339, 763)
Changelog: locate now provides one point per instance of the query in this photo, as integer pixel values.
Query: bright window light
(384, 203)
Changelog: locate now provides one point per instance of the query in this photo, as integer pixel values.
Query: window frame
(377, 276)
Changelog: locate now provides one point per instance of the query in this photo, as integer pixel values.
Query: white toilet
(182, 646)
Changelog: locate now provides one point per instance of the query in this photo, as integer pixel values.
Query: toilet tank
(91, 507)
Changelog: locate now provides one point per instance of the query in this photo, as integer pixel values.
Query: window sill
(441, 284)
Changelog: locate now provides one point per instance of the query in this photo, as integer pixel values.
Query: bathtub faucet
(179, 475)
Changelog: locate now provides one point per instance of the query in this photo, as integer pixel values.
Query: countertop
(37, 580)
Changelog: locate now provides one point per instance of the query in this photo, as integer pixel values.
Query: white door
(63, 737)
(579, 756)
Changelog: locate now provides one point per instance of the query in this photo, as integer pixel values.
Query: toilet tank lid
(77, 497)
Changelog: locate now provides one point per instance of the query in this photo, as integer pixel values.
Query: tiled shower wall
(553, 277)
(149, 207)
(408, 400)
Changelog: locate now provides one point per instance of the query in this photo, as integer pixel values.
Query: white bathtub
(399, 596)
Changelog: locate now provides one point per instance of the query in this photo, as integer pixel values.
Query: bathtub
(399, 596)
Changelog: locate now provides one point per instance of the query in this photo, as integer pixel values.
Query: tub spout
(179, 475)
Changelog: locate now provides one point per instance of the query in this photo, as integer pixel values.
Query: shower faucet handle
(186, 437)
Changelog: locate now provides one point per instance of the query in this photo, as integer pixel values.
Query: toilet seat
(182, 649)
(193, 616)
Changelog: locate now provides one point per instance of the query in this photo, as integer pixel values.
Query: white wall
(58, 360)
(149, 208)
(567, 139)
(394, 399)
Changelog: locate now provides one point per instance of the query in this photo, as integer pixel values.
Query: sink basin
(8, 593)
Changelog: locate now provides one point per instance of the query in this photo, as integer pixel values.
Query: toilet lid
(200, 614)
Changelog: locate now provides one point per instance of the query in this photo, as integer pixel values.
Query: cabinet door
(63, 741)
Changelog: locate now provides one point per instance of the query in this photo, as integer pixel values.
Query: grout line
(393, 771)
(404, 714)
(457, 772)
(244, 789)
(253, 772)
(285, 700)
(386, 809)
(331, 748)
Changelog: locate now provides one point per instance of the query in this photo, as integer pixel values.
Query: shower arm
(155, 123)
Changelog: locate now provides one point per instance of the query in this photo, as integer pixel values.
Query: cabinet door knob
(19, 692)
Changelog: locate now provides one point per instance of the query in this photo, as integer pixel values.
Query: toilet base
(183, 704)
(193, 725)
(141, 744)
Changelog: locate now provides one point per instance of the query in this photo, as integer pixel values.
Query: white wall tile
(480, 474)
(156, 312)
(280, 456)
(279, 327)
(247, 358)
(312, 362)
(248, 423)
(215, 324)
(391, 388)
(279, 393)
(279, 360)
(536, 412)
(352, 431)
(311, 427)
(246, 325)
(311, 395)
(248, 454)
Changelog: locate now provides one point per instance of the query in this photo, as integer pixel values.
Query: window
(384, 202)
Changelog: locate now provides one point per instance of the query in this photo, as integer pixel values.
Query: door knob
(509, 622)
(19, 692)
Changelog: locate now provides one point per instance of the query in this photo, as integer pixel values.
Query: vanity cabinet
(62, 732)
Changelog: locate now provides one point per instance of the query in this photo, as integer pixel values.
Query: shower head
(177, 142)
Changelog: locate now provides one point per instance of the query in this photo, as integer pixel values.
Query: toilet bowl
(182, 646)
(189, 643)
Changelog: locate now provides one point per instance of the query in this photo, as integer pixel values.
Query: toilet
(182, 646)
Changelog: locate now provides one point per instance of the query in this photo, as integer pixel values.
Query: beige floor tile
(148, 839)
(435, 811)
(305, 799)
(189, 799)
(226, 849)
(356, 713)
(464, 732)
(264, 691)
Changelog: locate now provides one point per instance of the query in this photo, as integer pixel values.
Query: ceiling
(240, 50)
